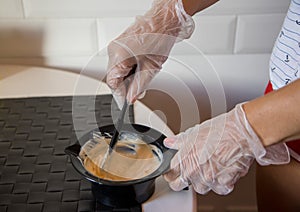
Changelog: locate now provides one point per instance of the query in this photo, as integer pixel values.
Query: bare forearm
(194, 6)
(276, 116)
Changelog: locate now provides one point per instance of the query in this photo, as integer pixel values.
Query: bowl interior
(148, 135)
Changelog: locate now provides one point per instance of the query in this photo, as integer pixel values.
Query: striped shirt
(285, 58)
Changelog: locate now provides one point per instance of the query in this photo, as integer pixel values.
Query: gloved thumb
(183, 138)
(170, 142)
(174, 142)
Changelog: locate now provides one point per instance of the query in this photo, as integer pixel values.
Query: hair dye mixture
(131, 158)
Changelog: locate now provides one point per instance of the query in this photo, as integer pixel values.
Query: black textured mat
(35, 173)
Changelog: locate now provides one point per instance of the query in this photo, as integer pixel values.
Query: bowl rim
(143, 130)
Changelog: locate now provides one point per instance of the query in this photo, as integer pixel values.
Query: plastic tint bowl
(123, 193)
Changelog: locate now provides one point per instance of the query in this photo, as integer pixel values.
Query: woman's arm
(276, 116)
(193, 6)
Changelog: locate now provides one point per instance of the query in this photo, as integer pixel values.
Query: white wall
(79, 21)
(65, 33)
(236, 36)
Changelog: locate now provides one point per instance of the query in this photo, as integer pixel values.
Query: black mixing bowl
(123, 193)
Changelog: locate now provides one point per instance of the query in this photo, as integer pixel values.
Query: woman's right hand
(147, 43)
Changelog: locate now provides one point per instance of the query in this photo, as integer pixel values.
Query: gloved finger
(121, 61)
(179, 183)
(119, 97)
(119, 94)
(120, 51)
(116, 75)
(223, 189)
(200, 188)
(142, 95)
(139, 83)
(185, 140)
(173, 173)
(176, 142)
(205, 172)
(170, 142)
(227, 177)
(233, 172)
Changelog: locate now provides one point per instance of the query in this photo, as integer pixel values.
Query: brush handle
(118, 128)
(120, 121)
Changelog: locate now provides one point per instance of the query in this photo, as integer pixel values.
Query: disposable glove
(215, 154)
(147, 43)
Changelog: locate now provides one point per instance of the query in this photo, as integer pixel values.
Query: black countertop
(35, 173)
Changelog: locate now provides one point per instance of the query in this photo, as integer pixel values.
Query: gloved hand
(147, 42)
(215, 154)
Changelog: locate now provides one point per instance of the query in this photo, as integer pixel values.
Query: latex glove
(215, 154)
(147, 42)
